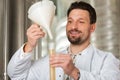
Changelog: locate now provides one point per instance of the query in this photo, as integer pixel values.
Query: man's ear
(92, 28)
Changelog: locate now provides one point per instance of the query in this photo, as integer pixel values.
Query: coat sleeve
(19, 65)
(109, 71)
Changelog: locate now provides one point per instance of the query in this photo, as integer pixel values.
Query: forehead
(79, 13)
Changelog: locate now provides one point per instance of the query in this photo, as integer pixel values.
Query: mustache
(75, 30)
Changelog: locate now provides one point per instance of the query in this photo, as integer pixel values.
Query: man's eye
(69, 21)
(81, 21)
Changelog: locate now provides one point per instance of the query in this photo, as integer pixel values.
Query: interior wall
(106, 36)
(1, 40)
(12, 31)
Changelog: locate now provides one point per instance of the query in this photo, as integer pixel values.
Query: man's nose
(74, 26)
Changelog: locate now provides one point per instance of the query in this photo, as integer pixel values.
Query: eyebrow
(79, 18)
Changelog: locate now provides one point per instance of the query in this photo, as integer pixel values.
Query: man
(80, 61)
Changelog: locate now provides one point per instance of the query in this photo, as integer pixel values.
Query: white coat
(93, 64)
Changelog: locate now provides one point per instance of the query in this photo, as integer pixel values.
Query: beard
(76, 40)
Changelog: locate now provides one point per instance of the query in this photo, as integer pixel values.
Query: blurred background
(14, 23)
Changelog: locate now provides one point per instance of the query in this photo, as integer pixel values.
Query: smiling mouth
(74, 32)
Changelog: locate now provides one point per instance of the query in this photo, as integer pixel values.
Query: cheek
(86, 31)
(67, 28)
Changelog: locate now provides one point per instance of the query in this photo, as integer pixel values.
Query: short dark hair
(84, 6)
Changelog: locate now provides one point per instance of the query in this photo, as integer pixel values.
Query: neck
(78, 48)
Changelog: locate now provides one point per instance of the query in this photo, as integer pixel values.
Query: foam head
(42, 13)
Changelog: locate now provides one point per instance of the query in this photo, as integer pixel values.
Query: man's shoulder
(103, 54)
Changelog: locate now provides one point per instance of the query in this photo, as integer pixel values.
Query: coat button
(59, 75)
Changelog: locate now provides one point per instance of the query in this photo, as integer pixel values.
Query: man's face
(78, 27)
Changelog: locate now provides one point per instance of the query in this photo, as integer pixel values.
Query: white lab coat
(93, 64)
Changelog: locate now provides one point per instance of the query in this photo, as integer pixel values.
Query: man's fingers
(59, 59)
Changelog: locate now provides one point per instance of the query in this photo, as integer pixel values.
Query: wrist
(75, 74)
(27, 47)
